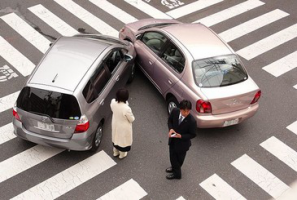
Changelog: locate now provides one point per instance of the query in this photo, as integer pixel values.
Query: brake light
(203, 106)
(256, 97)
(122, 30)
(15, 114)
(83, 125)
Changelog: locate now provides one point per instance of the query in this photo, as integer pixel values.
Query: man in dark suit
(182, 128)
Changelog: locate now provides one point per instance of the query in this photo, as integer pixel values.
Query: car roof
(67, 62)
(200, 41)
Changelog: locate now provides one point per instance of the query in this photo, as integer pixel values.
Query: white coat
(121, 124)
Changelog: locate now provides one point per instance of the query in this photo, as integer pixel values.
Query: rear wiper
(42, 114)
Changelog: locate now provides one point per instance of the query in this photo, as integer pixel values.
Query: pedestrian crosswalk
(96, 164)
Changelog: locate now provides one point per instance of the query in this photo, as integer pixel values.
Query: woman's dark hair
(185, 105)
(122, 95)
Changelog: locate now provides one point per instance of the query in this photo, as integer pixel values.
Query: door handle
(117, 78)
(102, 102)
(150, 62)
(169, 81)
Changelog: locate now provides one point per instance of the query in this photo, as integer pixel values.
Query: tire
(172, 103)
(132, 74)
(97, 137)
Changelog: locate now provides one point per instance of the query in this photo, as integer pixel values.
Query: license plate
(46, 127)
(231, 122)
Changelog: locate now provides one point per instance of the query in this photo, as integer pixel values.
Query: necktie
(180, 119)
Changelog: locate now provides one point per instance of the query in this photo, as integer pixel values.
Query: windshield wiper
(42, 114)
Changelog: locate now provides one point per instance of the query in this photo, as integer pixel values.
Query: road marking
(252, 25)
(70, 178)
(180, 198)
(25, 160)
(15, 58)
(8, 101)
(295, 86)
(129, 190)
(230, 12)
(87, 17)
(148, 9)
(219, 189)
(6, 133)
(268, 43)
(281, 151)
(27, 31)
(282, 65)
(7, 73)
(293, 127)
(114, 11)
(52, 20)
(192, 7)
(261, 176)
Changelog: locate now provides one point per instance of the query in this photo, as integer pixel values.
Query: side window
(155, 41)
(114, 59)
(97, 83)
(174, 58)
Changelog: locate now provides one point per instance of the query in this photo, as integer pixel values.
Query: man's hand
(171, 132)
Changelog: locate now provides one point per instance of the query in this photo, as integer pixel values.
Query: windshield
(49, 103)
(218, 71)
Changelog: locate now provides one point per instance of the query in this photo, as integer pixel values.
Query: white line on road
(219, 189)
(230, 12)
(148, 9)
(261, 176)
(252, 25)
(26, 31)
(25, 160)
(6, 134)
(52, 20)
(70, 178)
(282, 65)
(180, 198)
(268, 43)
(15, 58)
(129, 190)
(88, 17)
(114, 11)
(281, 151)
(293, 127)
(8, 101)
(192, 7)
(295, 86)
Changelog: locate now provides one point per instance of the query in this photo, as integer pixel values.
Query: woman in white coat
(121, 125)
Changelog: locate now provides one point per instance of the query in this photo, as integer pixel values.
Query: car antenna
(54, 78)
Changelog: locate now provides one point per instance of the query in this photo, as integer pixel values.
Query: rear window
(219, 71)
(48, 103)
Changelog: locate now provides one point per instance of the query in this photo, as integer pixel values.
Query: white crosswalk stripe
(230, 12)
(181, 198)
(25, 160)
(6, 133)
(293, 127)
(282, 65)
(219, 189)
(295, 86)
(52, 20)
(114, 11)
(281, 151)
(70, 178)
(252, 25)
(8, 101)
(261, 176)
(27, 31)
(90, 19)
(129, 190)
(191, 7)
(15, 58)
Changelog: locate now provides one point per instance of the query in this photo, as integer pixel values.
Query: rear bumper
(216, 121)
(78, 142)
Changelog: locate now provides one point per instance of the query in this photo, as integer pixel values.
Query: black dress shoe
(169, 170)
(172, 176)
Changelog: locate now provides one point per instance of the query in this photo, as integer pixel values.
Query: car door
(148, 49)
(169, 67)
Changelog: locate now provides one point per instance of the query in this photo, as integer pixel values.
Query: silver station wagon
(66, 99)
(190, 61)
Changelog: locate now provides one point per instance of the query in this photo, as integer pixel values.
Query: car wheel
(132, 74)
(97, 137)
(171, 104)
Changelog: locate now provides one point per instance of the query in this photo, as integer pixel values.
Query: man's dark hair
(185, 105)
(122, 95)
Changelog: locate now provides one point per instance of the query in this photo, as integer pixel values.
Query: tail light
(83, 125)
(122, 30)
(203, 106)
(256, 97)
(15, 114)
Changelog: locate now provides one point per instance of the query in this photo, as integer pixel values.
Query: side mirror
(128, 57)
(138, 36)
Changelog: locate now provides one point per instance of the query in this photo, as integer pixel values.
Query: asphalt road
(213, 150)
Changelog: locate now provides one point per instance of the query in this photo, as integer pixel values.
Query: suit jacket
(187, 129)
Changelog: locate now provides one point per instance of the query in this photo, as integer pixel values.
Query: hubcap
(171, 105)
(98, 136)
